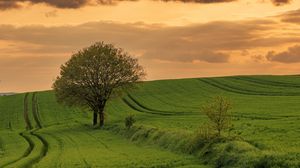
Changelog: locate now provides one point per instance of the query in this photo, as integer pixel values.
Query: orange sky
(172, 39)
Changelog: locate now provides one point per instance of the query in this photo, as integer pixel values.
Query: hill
(266, 118)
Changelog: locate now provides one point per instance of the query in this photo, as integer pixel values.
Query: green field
(35, 131)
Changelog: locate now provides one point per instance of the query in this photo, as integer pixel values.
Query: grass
(266, 118)
(75, 145)
(64, 139)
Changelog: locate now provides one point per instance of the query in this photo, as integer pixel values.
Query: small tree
(129, 121)
(218, 113)
(93, 74)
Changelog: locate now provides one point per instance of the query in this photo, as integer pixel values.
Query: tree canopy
(92, 74)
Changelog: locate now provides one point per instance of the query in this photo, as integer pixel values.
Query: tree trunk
(101, 117)
(95, 118)
(101, 112)
(219, 132)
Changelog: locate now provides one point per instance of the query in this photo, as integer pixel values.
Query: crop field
(36, 131)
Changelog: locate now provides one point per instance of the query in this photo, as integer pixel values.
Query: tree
(95, 73)
(218, 113)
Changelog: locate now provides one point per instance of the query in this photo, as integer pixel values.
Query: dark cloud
(292, 55)
(155, 42)
(291, 17)
(63, 3)
(280, 2)
(10, 4)
(199, 1)
(4, 5)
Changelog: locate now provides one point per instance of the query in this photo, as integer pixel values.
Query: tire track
(26, 138)
(86, 131)
(37, 119)
(1, 147)
(26, 115)
(32, 146)
(149, 109)
(26, 153)
(35, 111)
(30, 143)
(45, 146)
(104, 144)
(33, 159)
(267, 82)
(98, 140)
(75, 144)
(233, 89)
(61, 149)
(141, 108)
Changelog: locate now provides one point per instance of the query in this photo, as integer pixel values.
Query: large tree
(93, 74)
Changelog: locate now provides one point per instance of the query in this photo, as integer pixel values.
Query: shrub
(202, 136)
(218, 113)
(129, 121)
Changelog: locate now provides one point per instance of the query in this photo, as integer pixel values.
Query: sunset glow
(171, 39)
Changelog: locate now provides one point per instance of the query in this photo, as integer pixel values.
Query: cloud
(74, 4)
(188, 56)
(35, 52)
(210, 42)
(4, 5)
(62, 3)
(280, 2)
(10, 4)
(199, 1)
(51, 14)
(292, 55)
(291, 17)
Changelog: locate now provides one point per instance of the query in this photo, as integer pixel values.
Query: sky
(171, 38)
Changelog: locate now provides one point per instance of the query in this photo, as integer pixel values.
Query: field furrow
(242, 90)
(26, 153)
(35, 111)
(268, 82)
(52, 157)
(136, 105)
(138, 108)
(279, 81)
(37, 146)
(26, 115)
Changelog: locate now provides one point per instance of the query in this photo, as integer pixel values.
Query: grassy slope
(66, 140)
(13, 145)
(269, 118)
(266, 109)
